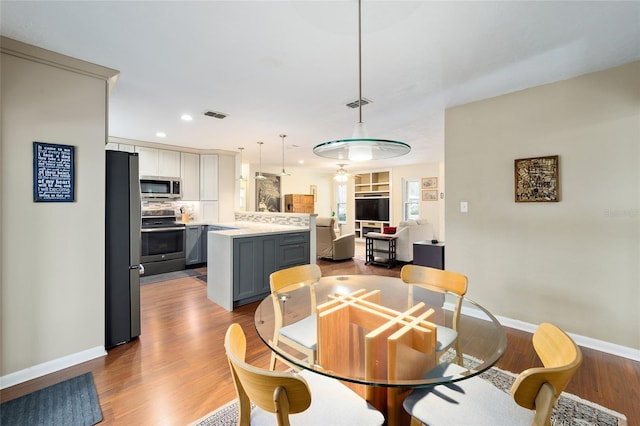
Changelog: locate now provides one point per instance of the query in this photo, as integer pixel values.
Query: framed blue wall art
(53, 172)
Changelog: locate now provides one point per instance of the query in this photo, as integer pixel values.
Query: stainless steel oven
(162, 242)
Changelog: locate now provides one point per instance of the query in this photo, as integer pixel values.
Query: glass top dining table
(380, 336)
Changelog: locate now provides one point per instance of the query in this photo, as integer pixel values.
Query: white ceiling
(291, 66)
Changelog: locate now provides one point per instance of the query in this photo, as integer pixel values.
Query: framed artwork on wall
(536, 179)
(429, 195)
(268, 193)
(53, 173)
(430, 183)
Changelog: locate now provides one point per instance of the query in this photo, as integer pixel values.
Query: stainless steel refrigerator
(122, 251)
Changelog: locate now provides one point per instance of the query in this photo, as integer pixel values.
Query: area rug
(570, 410)
(73, 402)
(152, 279)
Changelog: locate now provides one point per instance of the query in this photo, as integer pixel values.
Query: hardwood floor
(177, 372)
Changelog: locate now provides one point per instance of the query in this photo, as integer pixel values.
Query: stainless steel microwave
(153, 187)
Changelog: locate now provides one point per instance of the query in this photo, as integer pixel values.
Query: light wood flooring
(177, 372)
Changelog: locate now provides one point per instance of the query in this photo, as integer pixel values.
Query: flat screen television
(374, 209)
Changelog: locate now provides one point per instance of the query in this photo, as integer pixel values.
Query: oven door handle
(177, 228)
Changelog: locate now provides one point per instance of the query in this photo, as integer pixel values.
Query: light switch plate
(464, 207)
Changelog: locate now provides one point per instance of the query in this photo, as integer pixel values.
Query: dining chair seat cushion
(446, 336)
(303, 332)
(332, 403)
(472, 401)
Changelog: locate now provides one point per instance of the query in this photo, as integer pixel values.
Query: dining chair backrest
(538, 388)
(436, 279)
(282, 393)
(296, 277)
(443, 282)
(293, 279)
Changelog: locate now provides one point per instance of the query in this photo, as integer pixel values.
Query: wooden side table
(386, 256)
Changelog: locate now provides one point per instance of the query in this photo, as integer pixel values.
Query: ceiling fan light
(341, 174)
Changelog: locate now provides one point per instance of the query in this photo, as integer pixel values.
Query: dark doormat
(202, 278)
(72, 402)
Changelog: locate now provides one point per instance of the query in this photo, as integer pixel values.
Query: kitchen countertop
(248, 229)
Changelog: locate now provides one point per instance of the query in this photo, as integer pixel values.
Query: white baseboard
(584, 341)
(49, 367)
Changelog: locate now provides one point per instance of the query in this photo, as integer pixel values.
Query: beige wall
(433, 211)
(52, 253)
(576, 262)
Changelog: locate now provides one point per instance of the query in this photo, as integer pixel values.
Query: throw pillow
(389, 230)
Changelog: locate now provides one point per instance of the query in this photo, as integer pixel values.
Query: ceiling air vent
(356, 103)
(214, 114)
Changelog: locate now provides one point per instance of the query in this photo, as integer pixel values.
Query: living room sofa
(407, 233)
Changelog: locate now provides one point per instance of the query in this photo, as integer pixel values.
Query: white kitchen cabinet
(158, 162)
(190, 175)
(147, 161)
(226, 187)
(113, 146)
(168, 163)
(209, 177)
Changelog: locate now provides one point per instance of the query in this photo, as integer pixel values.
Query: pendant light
(241, 178)
(259, 175)
(341, 174)
(360, 147)
(283, 173)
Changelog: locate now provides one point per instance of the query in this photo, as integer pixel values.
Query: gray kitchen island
(240, 259)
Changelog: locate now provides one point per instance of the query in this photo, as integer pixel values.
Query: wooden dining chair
(302, 334)
(476, 401)
(284, 397)
(440, 281)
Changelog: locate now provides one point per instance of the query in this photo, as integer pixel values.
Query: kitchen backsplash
(279, 219)
(193, 209)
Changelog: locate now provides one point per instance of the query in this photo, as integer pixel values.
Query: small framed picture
(429, 195)
(430, 183)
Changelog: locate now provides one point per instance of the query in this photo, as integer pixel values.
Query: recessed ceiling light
(161, 134)
(186, 117)
(300, 161)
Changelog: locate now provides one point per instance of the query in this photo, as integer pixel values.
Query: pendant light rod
(283, 173)
(241, 177)
(361, 147)
(260, 177)
(360, 60)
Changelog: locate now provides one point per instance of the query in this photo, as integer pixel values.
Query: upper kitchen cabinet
(208, 177)
(190, 175)
(113, 146)
(158, 162)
